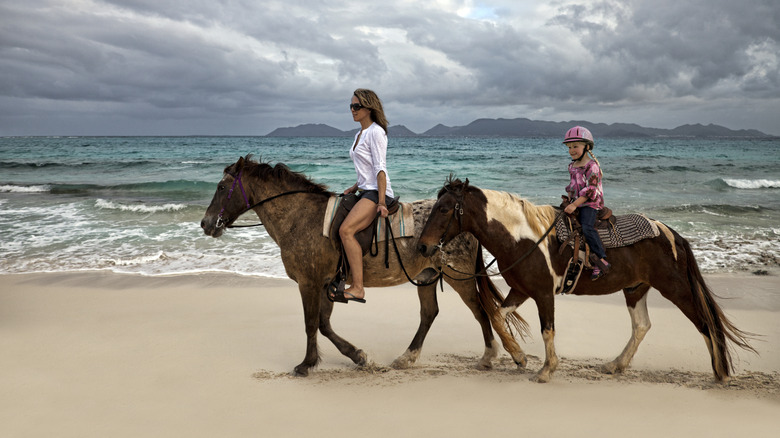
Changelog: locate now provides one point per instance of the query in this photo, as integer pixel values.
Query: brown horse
(509, 227)
(292, 208)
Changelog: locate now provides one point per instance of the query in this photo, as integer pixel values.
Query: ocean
(134, 204)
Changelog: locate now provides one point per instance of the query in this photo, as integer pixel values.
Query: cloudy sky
(245, 67)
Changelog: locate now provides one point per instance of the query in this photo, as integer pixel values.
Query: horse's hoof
(542, 377)
(400, 363)
(484, 366)
(611, 368)
(301, 371)
(405, 360)
(521, 364)
(360, 359)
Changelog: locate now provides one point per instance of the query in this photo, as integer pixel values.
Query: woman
(368, 152)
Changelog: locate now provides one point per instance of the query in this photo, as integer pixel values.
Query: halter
(456, 211)
(236, 179)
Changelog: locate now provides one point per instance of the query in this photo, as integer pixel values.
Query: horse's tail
(717, 329)
(490, 298)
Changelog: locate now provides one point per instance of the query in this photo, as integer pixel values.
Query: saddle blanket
(402, 221)
(628, 229)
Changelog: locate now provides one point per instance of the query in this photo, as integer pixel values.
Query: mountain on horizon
(320, 130)
(523, 127)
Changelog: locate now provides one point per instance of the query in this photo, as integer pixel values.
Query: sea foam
(138, 208)
(752, 183)
(25, 189)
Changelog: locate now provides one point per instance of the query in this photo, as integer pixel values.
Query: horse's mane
(539, 217)
(280, 172)
(452, 184)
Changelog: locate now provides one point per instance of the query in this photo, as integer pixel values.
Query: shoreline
(730, 289)
(104, 354)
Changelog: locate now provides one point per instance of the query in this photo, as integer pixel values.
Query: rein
(257, 204)
(221, 221)
(459, 211)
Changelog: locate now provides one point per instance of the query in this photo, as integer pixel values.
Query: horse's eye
(220, 187)
(443, 209)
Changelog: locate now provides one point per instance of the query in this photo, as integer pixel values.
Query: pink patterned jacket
(586, 181)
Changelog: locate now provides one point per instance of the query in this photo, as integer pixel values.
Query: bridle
(458, 211)
(237, 179)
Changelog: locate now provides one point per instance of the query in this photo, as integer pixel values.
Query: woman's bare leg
(361, 216)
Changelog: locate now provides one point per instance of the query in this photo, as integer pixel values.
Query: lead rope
(403, 268)
(523, 257)
(442, 274)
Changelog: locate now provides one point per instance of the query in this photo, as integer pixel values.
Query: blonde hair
(370, 100)
(593, 157)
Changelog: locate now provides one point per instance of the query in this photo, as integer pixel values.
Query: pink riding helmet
(578, 133)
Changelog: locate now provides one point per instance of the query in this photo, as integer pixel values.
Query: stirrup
(600, 269)
(595, 262)
(336, 287)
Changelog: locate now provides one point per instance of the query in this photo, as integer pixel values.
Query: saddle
(365, 237)
(604, 218)
(614, 231)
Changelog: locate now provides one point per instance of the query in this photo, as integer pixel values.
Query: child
(585, 192)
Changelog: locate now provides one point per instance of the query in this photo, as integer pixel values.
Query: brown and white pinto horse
(509, 227)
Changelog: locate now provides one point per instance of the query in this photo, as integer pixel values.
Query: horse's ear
(240, 163)
(466, 184)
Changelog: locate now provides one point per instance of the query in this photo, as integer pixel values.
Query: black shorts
(374, 196)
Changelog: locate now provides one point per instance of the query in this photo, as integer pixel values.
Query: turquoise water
(133, 204)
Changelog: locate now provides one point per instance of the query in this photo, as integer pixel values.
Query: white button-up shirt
(369, 156)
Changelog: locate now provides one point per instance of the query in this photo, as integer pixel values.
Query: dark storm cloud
(690, 47)
(176, 66)
(617, 49)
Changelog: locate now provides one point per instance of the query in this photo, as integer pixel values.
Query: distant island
(523, 127)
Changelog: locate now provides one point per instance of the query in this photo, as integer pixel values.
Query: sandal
(336, 293)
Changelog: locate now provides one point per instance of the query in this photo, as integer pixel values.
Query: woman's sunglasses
(356, 106)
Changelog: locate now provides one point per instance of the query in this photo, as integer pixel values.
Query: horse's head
(446, 218)
(248, 184)
(229, 201)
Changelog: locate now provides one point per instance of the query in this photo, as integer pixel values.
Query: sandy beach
(107, 355)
